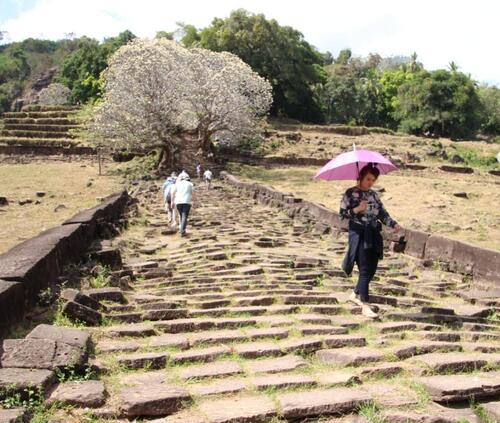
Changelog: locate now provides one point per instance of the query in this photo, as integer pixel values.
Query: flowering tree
(226, 98)
(55, 93)
(155, 89)
(144, 86)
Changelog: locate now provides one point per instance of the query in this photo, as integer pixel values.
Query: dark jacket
(370, 235)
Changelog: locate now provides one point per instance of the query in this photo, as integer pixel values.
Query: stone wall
(481, 263)
(45, 150)
(36, 263)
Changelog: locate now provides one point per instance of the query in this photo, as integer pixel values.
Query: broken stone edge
(31, 266)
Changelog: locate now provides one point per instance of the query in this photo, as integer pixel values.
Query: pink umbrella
(346, 166)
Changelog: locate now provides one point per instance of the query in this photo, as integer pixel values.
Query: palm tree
(453, 66)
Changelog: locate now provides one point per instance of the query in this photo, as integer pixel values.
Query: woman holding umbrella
(363, 208)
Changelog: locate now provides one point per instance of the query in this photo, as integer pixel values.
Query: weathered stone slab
(106, 294)
(280, 381)
(20, 379)
(255, 409)
(149, 360)
(407, 349)
(13, 415)
(306, 345)
(218, 387)
(219, 368)
(340, 341)
(202, 354)
(132, 330)
(170, 340)
(40, 354)
(164, 314)
(80, 313)
(391, 394)
(107, 346)
(274, 365)
(390, 327)
(339, 377)
(350, 356)
(450, 362)
(321, 402)
(76, 337)
(156, 400)
(385, 370)
(76, 296)
(90, 393)
(257, 349)
(462, 387)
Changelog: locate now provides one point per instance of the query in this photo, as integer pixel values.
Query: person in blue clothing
(167, 198)
(362, 206)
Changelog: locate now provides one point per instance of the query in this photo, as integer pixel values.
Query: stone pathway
(248, 320)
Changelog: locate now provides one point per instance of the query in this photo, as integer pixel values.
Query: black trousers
(367, 261)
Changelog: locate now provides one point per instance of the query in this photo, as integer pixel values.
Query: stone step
(453, 388)
(445, 363)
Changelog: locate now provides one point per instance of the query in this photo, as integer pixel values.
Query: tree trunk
(204, 140)
(166, 157)
(160, 158)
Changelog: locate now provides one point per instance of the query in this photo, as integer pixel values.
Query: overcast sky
(440, 31)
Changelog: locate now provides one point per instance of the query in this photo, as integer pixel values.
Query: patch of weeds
(138, 167)
(101, 279)
(473, 158)
(71, 373)
(422, 395)
(45, 413)
(46, 297)
(141, 221)
(371, 412)
(29, 398)
(481, 412)
(318, 281)
(494, 317)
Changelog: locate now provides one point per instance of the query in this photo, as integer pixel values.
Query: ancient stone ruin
(248, 320)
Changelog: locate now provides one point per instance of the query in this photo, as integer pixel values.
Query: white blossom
(155, 89)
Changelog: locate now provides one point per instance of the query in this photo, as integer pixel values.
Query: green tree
(278, 53)
(440, 103)
(14, 69)
(390, 81)
(81, 69)
(490, 100)
(352, 94)
(165, 34)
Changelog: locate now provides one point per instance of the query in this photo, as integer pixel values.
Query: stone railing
(481, 263)
(35, 264)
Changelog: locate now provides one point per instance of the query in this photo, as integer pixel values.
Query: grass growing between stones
(371, 412)
(481, 412)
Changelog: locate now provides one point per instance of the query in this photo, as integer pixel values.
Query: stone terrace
(247, 320)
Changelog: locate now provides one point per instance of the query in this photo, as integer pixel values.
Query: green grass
(371, 412)
(474, 158)
(102, 279)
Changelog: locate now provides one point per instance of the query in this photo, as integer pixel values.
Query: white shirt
(183, 192)
(208, 174)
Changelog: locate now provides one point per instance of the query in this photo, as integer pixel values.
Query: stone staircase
(39, 125)
(248, 320)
